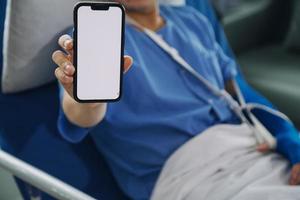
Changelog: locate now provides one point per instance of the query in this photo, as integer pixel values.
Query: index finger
(66, 42)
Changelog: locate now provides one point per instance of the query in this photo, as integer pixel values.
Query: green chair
(257, 31)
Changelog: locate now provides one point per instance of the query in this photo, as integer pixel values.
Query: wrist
(85, 115)
(70, 101)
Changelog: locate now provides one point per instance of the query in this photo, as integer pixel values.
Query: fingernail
(67, 67)
(66, 43)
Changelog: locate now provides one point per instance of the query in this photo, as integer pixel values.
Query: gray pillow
(292, 41)
(30, 36)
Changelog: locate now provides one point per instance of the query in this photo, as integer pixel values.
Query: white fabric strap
(261, 133)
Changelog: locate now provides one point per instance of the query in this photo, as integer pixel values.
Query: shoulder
(188, 18)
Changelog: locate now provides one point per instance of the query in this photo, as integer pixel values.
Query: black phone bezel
(97, 6)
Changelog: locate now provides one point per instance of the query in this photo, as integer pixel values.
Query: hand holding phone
(97, 53)
(66, 70)
(81, 114)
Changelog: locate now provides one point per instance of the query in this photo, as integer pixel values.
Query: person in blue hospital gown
(162, 106)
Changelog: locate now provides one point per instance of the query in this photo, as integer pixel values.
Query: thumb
(263, 148)
(127, 63)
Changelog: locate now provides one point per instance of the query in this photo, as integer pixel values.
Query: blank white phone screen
(99, 44)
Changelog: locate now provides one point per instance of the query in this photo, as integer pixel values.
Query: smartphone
(98, 51)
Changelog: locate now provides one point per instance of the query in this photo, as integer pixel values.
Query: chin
(138, 5)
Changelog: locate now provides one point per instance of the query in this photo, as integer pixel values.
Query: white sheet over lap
(222, 164)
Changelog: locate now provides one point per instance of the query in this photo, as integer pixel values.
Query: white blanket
(222, 163)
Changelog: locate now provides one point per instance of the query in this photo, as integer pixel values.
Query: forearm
(84, 115)
(288, 141)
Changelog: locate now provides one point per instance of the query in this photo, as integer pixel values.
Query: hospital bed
(28, 131)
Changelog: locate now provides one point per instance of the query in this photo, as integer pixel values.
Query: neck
(150, 19)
